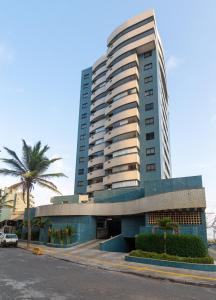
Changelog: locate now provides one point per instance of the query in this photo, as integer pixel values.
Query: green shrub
(164, 256)
(180, 245)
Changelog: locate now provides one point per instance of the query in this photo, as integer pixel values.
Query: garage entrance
(108, 227)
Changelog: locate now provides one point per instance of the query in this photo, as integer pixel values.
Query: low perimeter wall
(114, 244)
(173, 264)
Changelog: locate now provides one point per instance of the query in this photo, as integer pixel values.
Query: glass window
(99, 129)
(82, 137)
(80, 183)
(150, 151)
(148, 66)
(149, 136)
(83, 126)
(100, 141)
(147, 54)
(148, 93)
(84, 105)
(149, 121)
(125, 184)
(150, 167)
(86, 76)
(148, 79)
(82, 148)
(83, 116)
(81, 159)
(149, 106)
(81, 172)
(125, 151)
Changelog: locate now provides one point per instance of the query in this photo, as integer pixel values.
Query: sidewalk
(88, 254)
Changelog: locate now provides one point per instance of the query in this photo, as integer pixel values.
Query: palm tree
(30, 170)
(167, 224)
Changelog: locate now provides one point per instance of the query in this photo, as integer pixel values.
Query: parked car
(8, 239)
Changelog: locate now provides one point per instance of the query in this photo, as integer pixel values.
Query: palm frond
(15, 156)
(26, 154)
(51, 161)
(53, 175)
(13, 163)
(42, 184)
(47, 182)
(7, 172)
(44, 150)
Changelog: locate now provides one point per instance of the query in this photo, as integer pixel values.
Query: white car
(8, 239)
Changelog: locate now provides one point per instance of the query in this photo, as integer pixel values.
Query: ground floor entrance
(108, 227)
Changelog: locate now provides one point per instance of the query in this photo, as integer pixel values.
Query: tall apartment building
(123, 133)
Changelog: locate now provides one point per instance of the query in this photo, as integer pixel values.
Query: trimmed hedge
(180, 245)
(164, 256)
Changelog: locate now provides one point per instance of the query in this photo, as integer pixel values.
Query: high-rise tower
(123, 135)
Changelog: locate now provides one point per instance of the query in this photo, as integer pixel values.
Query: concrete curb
(112, 269)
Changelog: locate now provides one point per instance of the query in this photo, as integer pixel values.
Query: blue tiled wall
(85, 141)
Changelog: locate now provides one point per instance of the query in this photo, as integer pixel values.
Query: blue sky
(44, 45)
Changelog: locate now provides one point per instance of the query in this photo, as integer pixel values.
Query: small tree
(30, 170)
(167, 224)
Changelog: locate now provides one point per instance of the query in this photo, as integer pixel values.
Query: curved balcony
(144, 44)
(95, 174)
(122, 88)
(97, 82)
(132, 112)
(99, 61)
(96, 125)
(97, 114)
(131, 34)
(122, 75)
(96, 137)
(95, 149)
(122, 160)
(121, 102)
(134, 142)
(96, 161)
(129, 59)
(123, 176)
(99, 71)
(97, 103)
(120, 130)
(98, 92)
(129, 23)
(95, 187)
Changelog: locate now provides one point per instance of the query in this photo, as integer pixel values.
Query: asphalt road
(26, 276)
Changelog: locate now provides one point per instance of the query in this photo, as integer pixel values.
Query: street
(26, 276)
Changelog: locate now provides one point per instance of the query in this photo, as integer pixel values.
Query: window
(149, 121)
(149, 106)
(81, 159)
(85, 95)
(100, 141)
(86, 76)
(147, 66)
(150, 167)
(125, 184)
(99, 129)
(148, 79)
(149, 136)
(147, 54)
(84, 105)
(82, 137)
(83, 116)
(86, 84)
(150, 151)
(125, 151)
(80, 183)
(80, 171)
(148, 93)
(83, 126)
(82, 148)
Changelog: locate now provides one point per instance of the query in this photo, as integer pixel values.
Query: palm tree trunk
(165, 236)
(28, 219)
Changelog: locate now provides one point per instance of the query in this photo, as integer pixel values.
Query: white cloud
(6, 54)
(172, 63)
